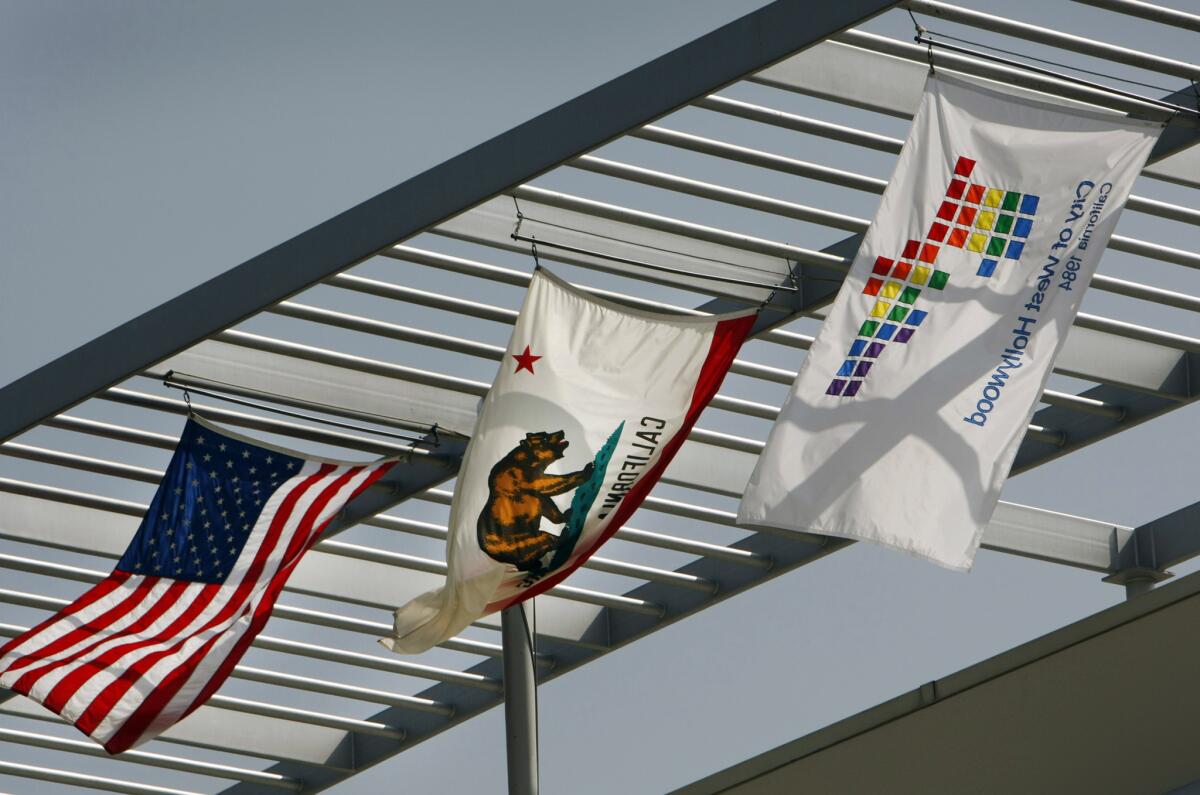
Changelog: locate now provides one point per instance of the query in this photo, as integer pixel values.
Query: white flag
(591, 402)
(908, 410)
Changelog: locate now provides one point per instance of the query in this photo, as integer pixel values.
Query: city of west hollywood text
(1011, 357)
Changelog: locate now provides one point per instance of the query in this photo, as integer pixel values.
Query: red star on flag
(525, 361)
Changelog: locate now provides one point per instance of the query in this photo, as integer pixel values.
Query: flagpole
(520, 698)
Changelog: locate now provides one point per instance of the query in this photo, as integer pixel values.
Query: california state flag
(591, 403)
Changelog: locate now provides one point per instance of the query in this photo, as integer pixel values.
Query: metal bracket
(1137, 564)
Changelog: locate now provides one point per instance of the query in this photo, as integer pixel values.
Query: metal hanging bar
(926, 39)
(172, 381)
(651, 266)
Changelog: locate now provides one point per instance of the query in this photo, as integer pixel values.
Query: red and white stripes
(137, 653)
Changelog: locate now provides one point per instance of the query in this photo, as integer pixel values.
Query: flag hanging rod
(220, 391)
(651, 266)
(925, 38)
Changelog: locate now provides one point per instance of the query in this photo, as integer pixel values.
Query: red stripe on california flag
(133, 598)
(170, 684)
(112, 694)
(728, 337)
(101, 590)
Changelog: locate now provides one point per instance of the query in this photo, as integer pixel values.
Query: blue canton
(208, 502)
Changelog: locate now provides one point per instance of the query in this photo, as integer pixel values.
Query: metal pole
(520, 698)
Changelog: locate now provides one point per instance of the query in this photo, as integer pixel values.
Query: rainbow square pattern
(991, 222)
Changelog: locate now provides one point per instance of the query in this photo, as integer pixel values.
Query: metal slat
(482, 350)
(251, 728)
(799, 212)
(86, 781)
(834, 176)
(1003, 74)
(754, 157)
(520, 279)
(780, 78)
(153, 760)
(1147, 11)
(782, 208)
(884, 75)
(707, 190)
(1058, 39)
(660, 223)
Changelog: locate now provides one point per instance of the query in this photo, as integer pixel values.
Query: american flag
(157, 637)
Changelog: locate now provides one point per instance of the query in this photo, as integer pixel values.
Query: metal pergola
(393, 315)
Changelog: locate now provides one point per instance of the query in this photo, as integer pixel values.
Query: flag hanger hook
(516, 235)
(921, 32)
(792, 286)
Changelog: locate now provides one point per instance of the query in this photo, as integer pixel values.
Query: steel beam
(1155, 547)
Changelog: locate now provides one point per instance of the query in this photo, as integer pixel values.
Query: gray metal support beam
(642, 95)
(1153, 548)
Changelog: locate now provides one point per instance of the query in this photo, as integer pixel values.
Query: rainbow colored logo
(991, 222)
